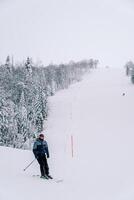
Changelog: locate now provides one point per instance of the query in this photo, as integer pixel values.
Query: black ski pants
(44, 169)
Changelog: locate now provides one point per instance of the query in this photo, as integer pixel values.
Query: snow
(100, 119)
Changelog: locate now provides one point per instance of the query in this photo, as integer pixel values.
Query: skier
(41, 152)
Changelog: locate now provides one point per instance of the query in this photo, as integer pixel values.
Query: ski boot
(44, 177)
(49, 177)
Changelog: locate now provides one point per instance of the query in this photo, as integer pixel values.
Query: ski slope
(100, 120)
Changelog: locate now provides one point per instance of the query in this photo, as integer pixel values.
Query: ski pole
(29, 164)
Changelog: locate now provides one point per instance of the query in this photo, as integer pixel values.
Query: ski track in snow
(100, 119)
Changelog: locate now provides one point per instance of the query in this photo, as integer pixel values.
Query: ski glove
(36, 155)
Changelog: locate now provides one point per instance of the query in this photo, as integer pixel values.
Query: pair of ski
(53, 179)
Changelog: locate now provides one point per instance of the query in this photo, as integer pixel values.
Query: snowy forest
(24, 91)
(130, 70)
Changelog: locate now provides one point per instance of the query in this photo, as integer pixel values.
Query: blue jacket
(40, 148)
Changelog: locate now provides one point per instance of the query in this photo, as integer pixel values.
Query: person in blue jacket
(41, 152)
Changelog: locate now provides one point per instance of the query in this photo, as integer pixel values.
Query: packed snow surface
(99, 118)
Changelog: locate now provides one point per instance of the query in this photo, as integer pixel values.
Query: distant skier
(41, 152)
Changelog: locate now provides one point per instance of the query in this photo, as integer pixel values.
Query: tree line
(24, 91)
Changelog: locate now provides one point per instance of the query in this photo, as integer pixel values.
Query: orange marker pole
(72, 146)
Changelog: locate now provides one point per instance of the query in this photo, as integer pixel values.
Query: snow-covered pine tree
(8, 64)
(132, 75)
(129, 68)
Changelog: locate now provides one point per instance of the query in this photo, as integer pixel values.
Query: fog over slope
(59, 31)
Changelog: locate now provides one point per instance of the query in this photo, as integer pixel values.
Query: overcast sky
(62, 30)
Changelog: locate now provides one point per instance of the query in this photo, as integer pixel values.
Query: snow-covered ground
(100, 119)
